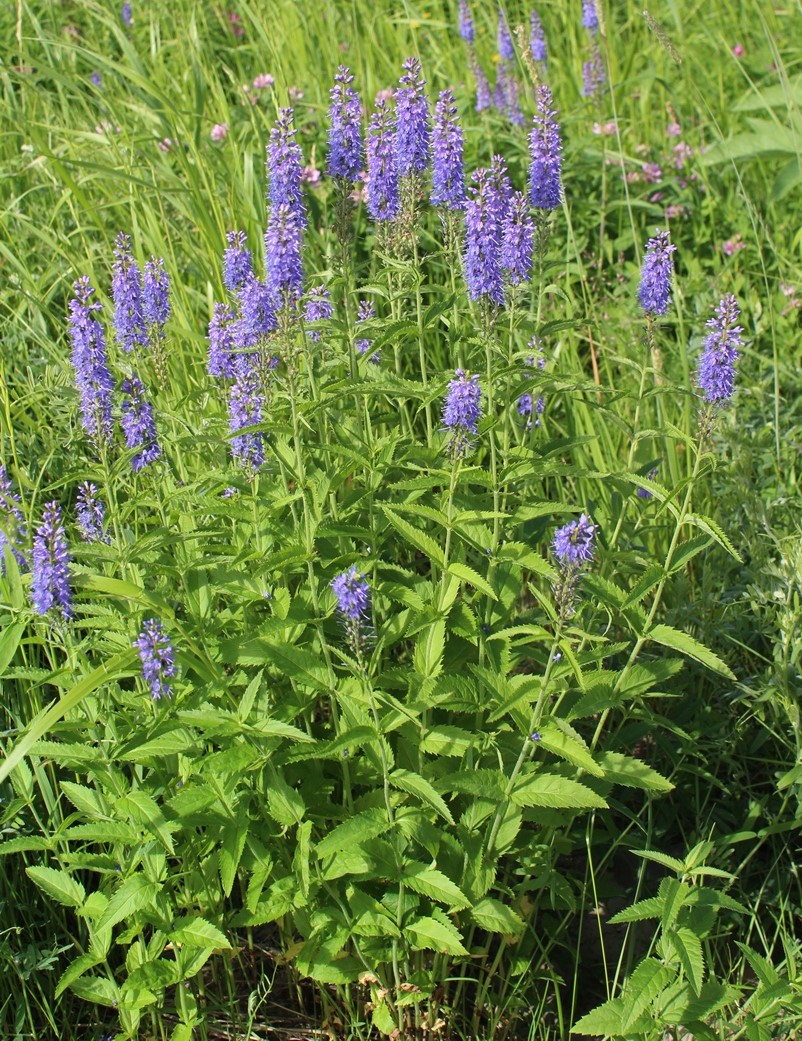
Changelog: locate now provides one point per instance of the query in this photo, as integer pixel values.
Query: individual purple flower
(483, 96)
(353, 595)
(127, 15)
(345, 145)
(537, 38)
(155, 298)
(716, 375)
(590, 16)
(517, 240)
(448, 178)
(573, 544)
(655, 283)
(50, 572)
(318, 307)
(383, 187)
(157, 657)
(237, 261)
(245, 410)
(12, 522)
(221, 342)
(482, 241)
(284, 167)
(545, 150)
(126, 292)
(411, 120)
(466, 29)
(91, 514)
(219, 132)
(505, 47)
(283, 255)
(525, 402)
(365, 312)
(138, 424)
(461, 411)
(93, 377)
(96, 79)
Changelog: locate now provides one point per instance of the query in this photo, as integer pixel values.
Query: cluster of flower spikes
(141, 302)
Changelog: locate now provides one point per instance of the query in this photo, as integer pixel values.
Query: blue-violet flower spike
(126, 292)
(383, 187)
(91, 514)
(412, 120)
(655, 283)
(448, 178)
(50, 573)
(138, 424)
(345, 145)
(716, 375)
(545, 150)
(157, 657)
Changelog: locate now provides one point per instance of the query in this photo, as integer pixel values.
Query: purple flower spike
(345, 146)
(283, 255)
(593, 74)
(545, 150)
(716, 375)
(155, 298)
(285, 166)
(91, 514)
(483, 96)
(12, 522)
(383, 187)
(245, 410)
(412, 120)
(318, 307)
(365, 312)
(90, 362)
(221, 342)
(448, 178)
(126, 291)
(127, 15)
(590, 16)
(505, 47)
(50, 572)
(655, 283)
(353, 595)
(573, 544)
(483, 240)
(257, 319)
(157, 657)
(461, 412)
(466, 29)
(537, 38)
(237, 261)
(138, 425)
(517, 242)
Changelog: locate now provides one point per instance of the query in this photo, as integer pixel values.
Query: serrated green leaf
(673, 894)
(197, 932)
(382, 1018)
(419, 539)
(23, 844)
(666, 636)
(648, 980)
(565, 742)
(652, 907)
(644, 585)
(297, 664)
(554, 792)
(467, 574)
(58, 884)
(487, 783)
(75, 970)
(433, 883)
(357, 829)
(688, 948)
(229, 854)
(708, 525)
(632, 773)
(100, 991)
(603, 1020)
(428, 934)
(133, 894)
(170, 742)
(448, 740)
(671, 863)
(407, 781)
(145, 811)
(9, 638)
(496, 917)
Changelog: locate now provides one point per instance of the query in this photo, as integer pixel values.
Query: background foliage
(290, 815)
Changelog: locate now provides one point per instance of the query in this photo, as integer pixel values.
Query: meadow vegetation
(400, 561)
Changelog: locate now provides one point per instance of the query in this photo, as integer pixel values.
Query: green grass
(79, 163)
